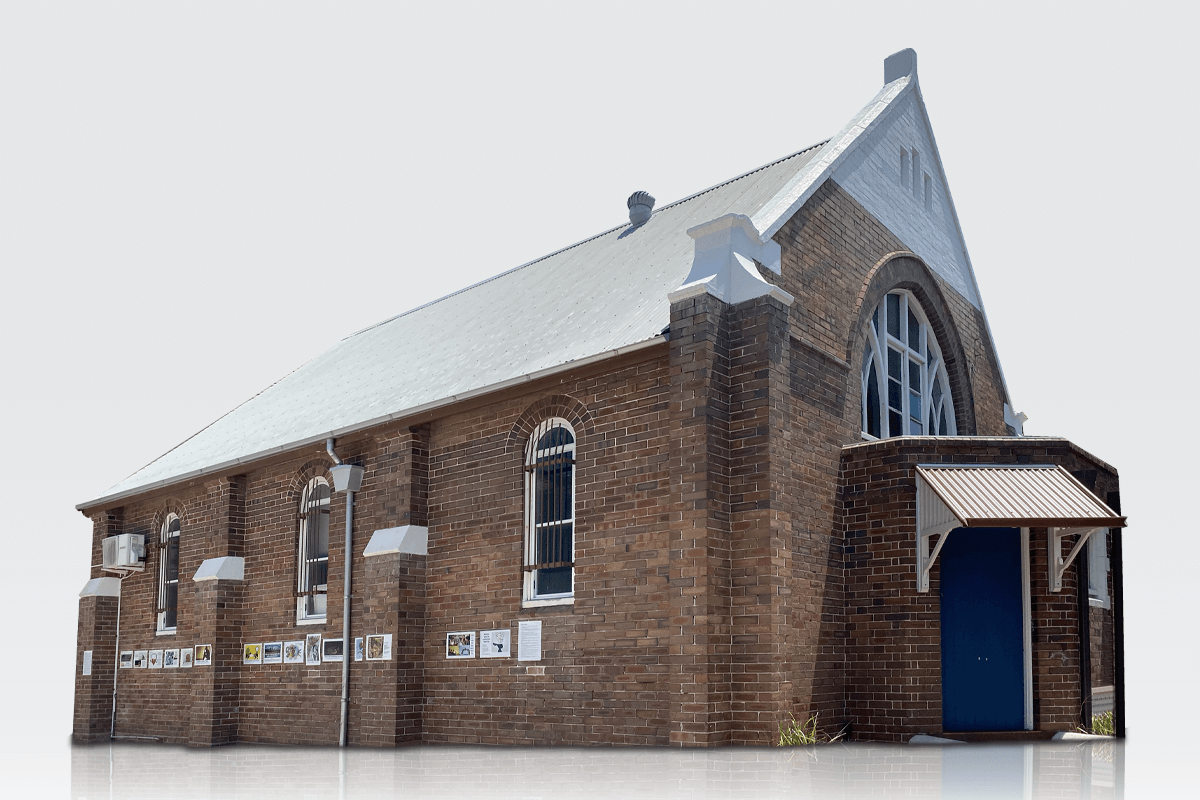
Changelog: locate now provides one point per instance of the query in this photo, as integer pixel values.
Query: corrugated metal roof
(1017, 496)
(480, 338)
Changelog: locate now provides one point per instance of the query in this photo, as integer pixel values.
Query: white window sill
(170, 632)
(311, 621)
(1099, 602)
(549, 601)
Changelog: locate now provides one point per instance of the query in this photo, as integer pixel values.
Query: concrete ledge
(102, 587)
(924, 738)
(411, 539)
(225, 568)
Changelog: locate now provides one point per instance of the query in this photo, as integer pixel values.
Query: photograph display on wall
(312, 649)
(203, 655)
(185, 657)
(272, 653)
(379, 647)
(126, 659)
(170, 659)
(139, 659)
(332, 649)
(293, 652)
(495, 644)
(155, 659)
(358, 648)
(460, 644)
(252, 654)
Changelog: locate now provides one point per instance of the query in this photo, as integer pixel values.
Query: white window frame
(927, 356)
(530, 594)
(1098, 566)
(166, 534)
(309, 512)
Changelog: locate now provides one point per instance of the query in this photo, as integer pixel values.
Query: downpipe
(346, 478)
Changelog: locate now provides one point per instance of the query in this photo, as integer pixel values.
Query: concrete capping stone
(225, 568)
(411, 539)
(102, 587)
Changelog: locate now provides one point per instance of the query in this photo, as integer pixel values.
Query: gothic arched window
(313, 580)
(550, 512)
(905, 391)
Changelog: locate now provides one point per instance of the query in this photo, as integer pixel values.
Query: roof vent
(641, 204)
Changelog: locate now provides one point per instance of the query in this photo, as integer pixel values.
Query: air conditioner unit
(124, 553)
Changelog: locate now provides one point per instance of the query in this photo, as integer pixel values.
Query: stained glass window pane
(893, 315)
(914, 376)
(894, 394)
(894, 368)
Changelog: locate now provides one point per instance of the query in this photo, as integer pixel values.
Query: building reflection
(1091, 769)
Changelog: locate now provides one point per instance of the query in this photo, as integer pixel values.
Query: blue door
(983, 676)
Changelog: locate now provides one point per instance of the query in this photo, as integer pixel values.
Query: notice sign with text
(495, 644)
(529, 640)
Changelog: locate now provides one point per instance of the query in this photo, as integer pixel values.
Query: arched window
(168, 574)
(905, 391)
(314, 552)
(550, 512)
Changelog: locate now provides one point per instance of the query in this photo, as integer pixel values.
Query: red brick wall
(894, 649)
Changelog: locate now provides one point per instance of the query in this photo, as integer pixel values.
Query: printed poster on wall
(155, 659)
(185, 657)
(170, 659)
(273, 653)
(87, 662)
(293, 652)
(495, 644)
(358, 648)
(126, 659)
(332, 650)
(139, 659)
(379, 647)
(460, 644)
(529, 640)
(312, 649)
(203, 655)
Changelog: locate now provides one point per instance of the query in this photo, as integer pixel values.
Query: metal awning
(1006, 496)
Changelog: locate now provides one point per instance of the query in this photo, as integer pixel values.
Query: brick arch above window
(562, 406)
(905, 271)
(316, 467)
(174, 506)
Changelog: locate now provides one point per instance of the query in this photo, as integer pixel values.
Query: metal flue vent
(641, 205)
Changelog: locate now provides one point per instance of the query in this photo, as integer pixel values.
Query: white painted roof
(489, 336)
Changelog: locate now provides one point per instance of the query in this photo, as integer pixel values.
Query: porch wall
(893, 651)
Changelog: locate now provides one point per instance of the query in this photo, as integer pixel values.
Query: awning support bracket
(925, 559)
(1058, 564)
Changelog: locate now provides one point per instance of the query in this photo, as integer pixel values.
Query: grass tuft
(795, 733)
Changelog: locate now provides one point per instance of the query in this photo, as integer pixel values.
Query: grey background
(195, 198)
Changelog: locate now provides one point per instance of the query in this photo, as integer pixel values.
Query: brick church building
(769, 468)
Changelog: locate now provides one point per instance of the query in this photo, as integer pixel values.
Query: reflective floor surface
(1058, 770)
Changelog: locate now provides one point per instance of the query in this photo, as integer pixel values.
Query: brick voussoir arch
(309, 470)
(903, 269)
(560, 405)
(172, 505)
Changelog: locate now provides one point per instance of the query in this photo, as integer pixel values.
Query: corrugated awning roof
(986, 496)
